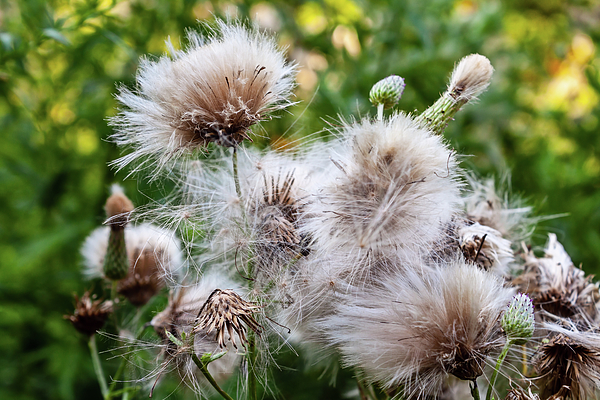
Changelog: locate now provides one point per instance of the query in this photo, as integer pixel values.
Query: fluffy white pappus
(486, 247)
(213, 91)
(493, 207)
(138, 239)
(393, 188)
(180, 316)
(414, 329)
(470, 77)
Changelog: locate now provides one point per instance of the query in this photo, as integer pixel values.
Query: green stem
(509, 343)
(474, 390)
(380, 112)
(115, 379)
(203, 368)
(251, 357)
(437, 116)
(98, 366)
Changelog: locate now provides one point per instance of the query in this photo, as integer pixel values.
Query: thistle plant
(375, 249)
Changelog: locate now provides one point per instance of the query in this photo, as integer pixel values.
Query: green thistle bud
(387, 92)
(517, 321)
(116, 261)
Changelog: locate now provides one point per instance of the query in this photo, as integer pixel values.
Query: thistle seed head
(568, 363)
(470, 77)
(90, 315)
(226, 312)
(213, 91)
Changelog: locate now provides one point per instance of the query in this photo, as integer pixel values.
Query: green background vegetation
(60, 62)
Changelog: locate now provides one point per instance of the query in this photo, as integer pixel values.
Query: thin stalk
(236, 180)
(115, 379)
(209, 377)
(474, 390)
(251, 356)
(380, 112)
(98, 366)
(509, 343)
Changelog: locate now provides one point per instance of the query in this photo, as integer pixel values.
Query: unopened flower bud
(116, 262)
(387, 92)
(517, 321)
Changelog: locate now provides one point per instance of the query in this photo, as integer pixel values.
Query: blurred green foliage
(60, 62)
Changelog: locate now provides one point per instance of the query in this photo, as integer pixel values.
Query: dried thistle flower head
(178, 318)
(415, 328)
(485, 247)
(90, 315)
(470, 77)
(517, 321)
(555, 285)
(395, 186)
(213, 91)
(275, 224)
(568, 363)
(154, 258)
(226, 312)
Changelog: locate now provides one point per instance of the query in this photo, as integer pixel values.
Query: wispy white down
(470, 77)
(415, 329)
(392, 187)
(212, 91)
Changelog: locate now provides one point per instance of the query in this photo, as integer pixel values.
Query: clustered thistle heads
(375, 248)
(213, 91)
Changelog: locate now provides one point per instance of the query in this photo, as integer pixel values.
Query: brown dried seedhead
(279, 241)
(145, 279)
(225, 311)
(556, 286)
(223, 110)
(90, 315)
(567, 368)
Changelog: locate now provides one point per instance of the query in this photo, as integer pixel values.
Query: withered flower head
(213, 91)
(153, 257)
(555, 285)
(568, 363)
(485, 247)
(225, 311)
(276, 226)
(90, 315)
(520, 394)
(145, 278)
